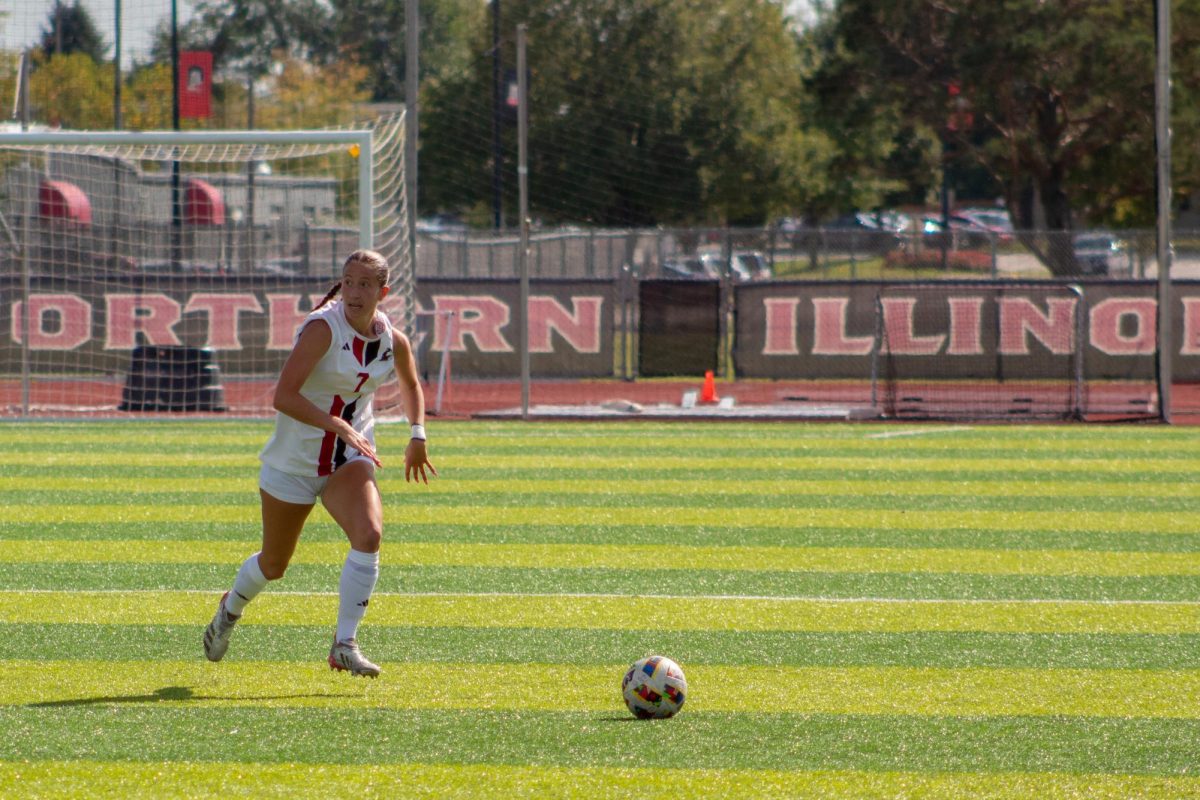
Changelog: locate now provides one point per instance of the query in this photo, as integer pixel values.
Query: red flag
(195, 84)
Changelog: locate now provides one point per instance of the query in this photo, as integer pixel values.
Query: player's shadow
(166, 694)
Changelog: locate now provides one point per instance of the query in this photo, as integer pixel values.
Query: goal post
(207, 146)
(220, 241)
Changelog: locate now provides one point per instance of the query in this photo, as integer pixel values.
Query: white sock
(354, 591)
(246, 586)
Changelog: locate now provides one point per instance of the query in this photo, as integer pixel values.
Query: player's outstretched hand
(415, 462)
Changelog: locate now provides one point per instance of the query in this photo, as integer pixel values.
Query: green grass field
(862, 611)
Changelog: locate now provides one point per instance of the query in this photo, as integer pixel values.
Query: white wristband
(418, 432)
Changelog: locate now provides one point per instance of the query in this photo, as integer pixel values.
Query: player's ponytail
(332, 293)
(368, 258)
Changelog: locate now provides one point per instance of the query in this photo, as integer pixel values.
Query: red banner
(195, 84)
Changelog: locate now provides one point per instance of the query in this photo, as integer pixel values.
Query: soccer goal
(168, 270)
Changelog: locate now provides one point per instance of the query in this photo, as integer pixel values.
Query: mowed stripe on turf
(505, 781)
(631, 613)
(794, 518)
(356, 736)
(593, 556)
(982, 464)
(454, 485)
(390, 644)
(549, 687)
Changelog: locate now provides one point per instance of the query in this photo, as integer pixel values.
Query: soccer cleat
(346, 656)
(216, 635)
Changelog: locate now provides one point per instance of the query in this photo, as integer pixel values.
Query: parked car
(288, 267)
(744, 266)
(992, 220)
(693, 268)
(864, 232)
(754, 265)
(441, 223)
(960, 232)
(1099, 253)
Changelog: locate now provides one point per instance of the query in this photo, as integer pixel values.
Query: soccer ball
(654, 688)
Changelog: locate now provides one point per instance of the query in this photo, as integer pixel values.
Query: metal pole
(176, 200)
(117, 121)
(1077, 410)
(523, 186)
(366, 190)
(412, 102)
(26, 242)
(23, 92)
(1162, 115)
(497, 99)
(251, 171)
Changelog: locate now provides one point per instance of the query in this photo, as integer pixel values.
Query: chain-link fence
(782, 253)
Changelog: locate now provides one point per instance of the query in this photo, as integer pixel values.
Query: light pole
(1162, 139)
(497, 99)
(176, 201)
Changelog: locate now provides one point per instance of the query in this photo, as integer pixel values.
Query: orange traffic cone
(709, 393)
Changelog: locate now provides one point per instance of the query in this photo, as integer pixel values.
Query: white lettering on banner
(479, 316)
(1020, 316)
(829, 330)
(66, 321)
(1107, 317)
(966, 326)
(74, 321)
(780, 339)
(223, 330)
(1191, 327)
(581, 330)
(898, 321)
(126, 319)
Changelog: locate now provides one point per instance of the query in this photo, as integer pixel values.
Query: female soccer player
(324, 446)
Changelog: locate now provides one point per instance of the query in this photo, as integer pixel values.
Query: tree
(1056, 101)
(246, 37)
(72, 91)
(372, 32)
(305, 95)
(147, 98)
(642, 112)
(70, 29)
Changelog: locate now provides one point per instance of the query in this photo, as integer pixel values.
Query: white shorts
(298, 489)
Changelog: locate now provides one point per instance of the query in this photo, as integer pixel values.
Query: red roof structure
(64, 200)
(202, 203)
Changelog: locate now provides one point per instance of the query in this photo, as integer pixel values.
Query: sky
(28, 18)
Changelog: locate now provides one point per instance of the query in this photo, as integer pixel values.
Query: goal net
(168, 271)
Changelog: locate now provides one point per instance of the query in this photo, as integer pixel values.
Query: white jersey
(343, 383)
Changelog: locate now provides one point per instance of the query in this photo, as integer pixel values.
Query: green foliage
(70, 29)
(71, 90)
(642, 112)
(1056, 101)
(247, 36)
(372, 33)
(146, 99)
